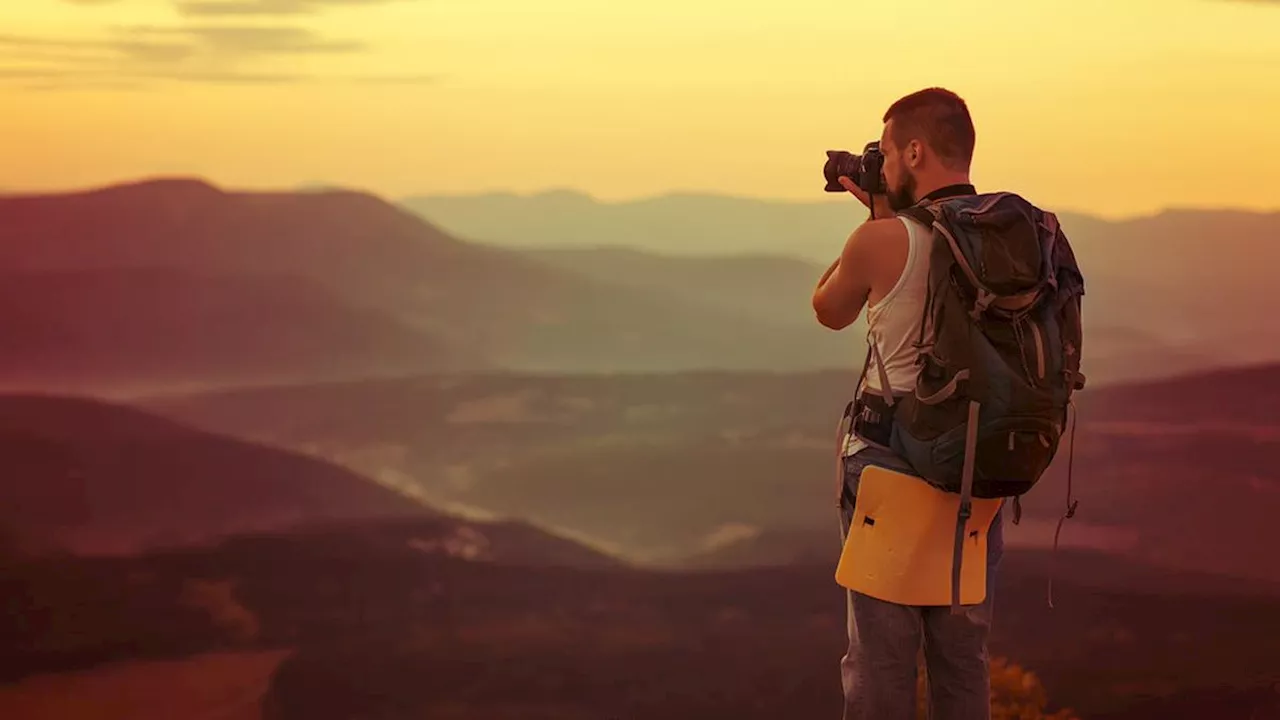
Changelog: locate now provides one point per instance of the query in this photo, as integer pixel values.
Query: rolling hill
(774, 288)
(695, 467)
(474, 304)
(147, 329)
(88, 477)
(365, 622)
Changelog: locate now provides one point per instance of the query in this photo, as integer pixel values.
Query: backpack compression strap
(966, 503)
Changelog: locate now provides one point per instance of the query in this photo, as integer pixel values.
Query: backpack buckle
(985, 298)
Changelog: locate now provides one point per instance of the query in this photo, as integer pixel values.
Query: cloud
(152, 44)
(25, 73)
(187, 53)
(76, 77)
(225, 77)
(243, 40)
(216, 56)
(50, 79)
(222, 8)
(63, 85)
(231, 8)
(215, 49)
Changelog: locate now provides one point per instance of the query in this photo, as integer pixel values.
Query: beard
(905, 195)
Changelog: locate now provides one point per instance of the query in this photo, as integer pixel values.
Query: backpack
(999, 353)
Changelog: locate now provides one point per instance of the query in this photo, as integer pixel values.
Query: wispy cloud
(27, 73)
(210, 47)
(206, 8)
(199, 54)
(64, 85)
(221, 56)
(226, 8)
(243, 40)
(153, 44)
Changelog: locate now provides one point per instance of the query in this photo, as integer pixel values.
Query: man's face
(898, 177)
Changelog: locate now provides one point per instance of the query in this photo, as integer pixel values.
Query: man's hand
(882, 209)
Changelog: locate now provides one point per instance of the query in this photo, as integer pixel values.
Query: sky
(1112, 107)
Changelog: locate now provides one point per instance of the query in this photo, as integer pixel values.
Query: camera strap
(947, 191)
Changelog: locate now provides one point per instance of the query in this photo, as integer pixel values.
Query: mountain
(365, 622)
(676, 224)
(774, 288)
(1191, 289)
(714, 469)
(146, 329)
(477, 304)
(89, 477)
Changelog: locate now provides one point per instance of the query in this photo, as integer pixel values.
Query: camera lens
(840, 162)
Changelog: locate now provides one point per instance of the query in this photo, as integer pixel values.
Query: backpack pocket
(1011, 455)
(1013, 452)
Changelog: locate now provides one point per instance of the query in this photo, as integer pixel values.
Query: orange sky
(1115, 107)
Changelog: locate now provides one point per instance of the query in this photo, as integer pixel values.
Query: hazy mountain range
(208, 287)
(365, 464)
(267, 286)
(1181, 290)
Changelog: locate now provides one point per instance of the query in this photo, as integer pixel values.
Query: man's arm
(844, 288)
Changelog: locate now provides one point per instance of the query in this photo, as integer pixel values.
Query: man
(928, 142)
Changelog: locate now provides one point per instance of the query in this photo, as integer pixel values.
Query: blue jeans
(879, 670)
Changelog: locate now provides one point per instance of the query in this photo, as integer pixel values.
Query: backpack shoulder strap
(921, 214)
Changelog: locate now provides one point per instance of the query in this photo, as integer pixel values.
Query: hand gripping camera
(865, 170)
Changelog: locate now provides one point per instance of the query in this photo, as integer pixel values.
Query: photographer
(926, 146)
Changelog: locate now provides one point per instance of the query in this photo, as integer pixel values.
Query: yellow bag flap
(901, 542)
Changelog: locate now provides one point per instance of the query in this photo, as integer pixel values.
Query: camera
(864, 170)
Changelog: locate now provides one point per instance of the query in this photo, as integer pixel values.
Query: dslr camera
(864, 170)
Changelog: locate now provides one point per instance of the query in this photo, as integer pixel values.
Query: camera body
(866, 170)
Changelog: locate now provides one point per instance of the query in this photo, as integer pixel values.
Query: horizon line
(318, 186)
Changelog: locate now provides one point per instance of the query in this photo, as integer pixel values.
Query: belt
(873, 419)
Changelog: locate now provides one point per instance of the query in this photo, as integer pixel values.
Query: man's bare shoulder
(875, 236)
(885, 227)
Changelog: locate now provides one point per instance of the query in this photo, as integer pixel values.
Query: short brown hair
(938, 117)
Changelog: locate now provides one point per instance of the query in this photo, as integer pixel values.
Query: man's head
(927, 144)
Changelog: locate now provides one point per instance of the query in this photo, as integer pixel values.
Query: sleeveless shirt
(893, 323)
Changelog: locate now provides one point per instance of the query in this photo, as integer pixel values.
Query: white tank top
(893, 324)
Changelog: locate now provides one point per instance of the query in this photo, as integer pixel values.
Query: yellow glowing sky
(1116, 107)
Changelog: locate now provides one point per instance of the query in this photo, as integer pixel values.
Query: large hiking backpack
(999, 352)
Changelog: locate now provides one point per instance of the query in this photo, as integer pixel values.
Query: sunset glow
(1113, 107)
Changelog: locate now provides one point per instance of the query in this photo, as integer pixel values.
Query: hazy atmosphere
(442, 359)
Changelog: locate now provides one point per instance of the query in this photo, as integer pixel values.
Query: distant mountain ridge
(269, 287)
(430, 302)
(708, 224)
(1182, 290)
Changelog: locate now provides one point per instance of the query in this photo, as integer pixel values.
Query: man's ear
(914, 154)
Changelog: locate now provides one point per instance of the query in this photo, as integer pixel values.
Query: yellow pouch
(901, 542)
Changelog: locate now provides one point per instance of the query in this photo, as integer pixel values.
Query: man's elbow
(831, 318)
